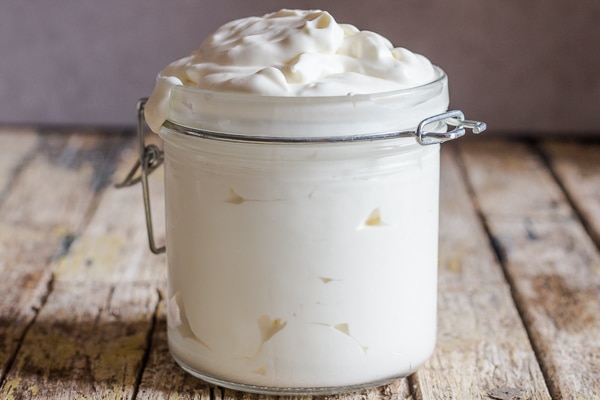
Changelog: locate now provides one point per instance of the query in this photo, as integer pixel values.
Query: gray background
(521, 65)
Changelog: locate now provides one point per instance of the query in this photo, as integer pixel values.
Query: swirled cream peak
(291, 53)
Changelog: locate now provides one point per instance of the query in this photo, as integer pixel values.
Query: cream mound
(290, 53)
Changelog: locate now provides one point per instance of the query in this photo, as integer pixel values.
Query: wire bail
(454, 118)
(151, 157)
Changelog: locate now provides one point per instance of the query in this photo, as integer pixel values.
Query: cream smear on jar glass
(302, 204)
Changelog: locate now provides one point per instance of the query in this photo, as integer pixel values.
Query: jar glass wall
(306, 267)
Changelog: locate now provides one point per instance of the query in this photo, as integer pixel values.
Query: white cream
(291, 53)
(308, 266)
(316, 274)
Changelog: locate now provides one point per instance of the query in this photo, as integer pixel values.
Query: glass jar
(302, 236)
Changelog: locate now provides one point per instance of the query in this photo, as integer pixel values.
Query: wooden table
(82, 310)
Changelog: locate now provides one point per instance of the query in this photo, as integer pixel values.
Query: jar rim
(243, 114)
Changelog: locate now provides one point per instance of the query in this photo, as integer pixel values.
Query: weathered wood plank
(510, 181)
(466, 260)
(577, 164)
(15, 309)
(559, 290)
(481, 347)
(46, 206)
(23, 286)
(552, 264)
(59, 183)
(94, 328)
(87, 341)
(17, 147)
(114, 245)
(111, 249)
(482, 344)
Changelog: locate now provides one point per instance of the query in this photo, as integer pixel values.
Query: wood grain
(577, 165)
(482, 344)
(552, 263)
(52, 182)
(17, 145)
(113, 247)
(88, 339)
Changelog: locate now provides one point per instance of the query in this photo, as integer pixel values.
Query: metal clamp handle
(151, 157)
(454, 118)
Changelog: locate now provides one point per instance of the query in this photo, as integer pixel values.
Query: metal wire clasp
(454, 118)
(151, 157)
